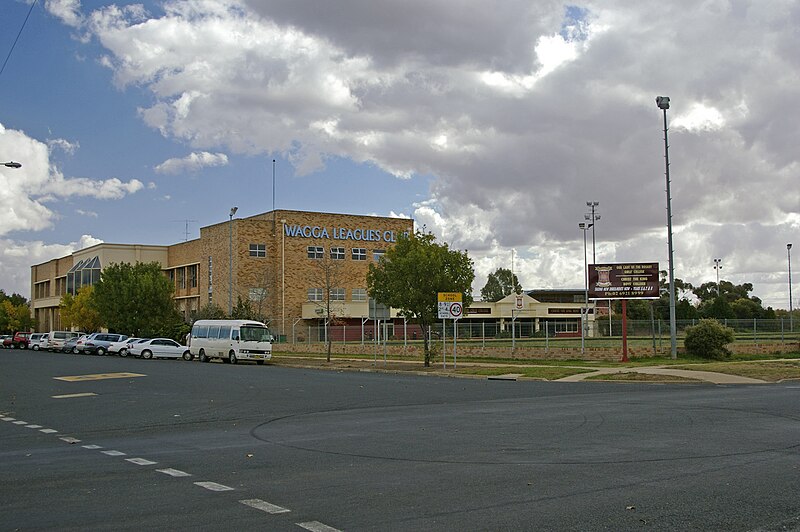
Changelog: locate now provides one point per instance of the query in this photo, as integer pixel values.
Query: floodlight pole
(663, 104)
(585, 313)
(230, 261)
(718, 267)
(789, 255)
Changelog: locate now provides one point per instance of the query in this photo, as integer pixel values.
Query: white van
(231, 340)
(56, 339)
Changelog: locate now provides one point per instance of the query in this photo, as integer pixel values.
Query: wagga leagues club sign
(340, 233)
(624, 281)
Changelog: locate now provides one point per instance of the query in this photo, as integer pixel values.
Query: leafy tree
(244, 310)
(137, 299)
(708, 339)
(500, 284)
(210, 311)
(708, 291)
(80, 311)
(718, 308)
(15, 313)
(413, 272)
(326, 274)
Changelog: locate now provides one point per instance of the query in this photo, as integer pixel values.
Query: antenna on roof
(186, 228)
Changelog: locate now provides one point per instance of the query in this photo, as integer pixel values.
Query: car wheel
(203, 357)
(123, 352)
(35, 348)
(75, 351)
(147, 354)
(232, 357)
(187, 356)
(101, 351)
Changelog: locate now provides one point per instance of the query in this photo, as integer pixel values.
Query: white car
(159, 348)
(121, 348)
(38, 341)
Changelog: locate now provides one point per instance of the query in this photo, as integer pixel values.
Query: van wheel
(187, 356)
(203, 357)
(232, 357)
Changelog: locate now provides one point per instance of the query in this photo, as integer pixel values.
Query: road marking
(316, 526)
(213, 486)
(70, 439)
(113, 453)
(73, 395)
(173, 472)
(98, 377)
(92, 447)
(33, 426)
(49, 431)
(7, 418)
(264, 506)
(20, 423)
(140, 461)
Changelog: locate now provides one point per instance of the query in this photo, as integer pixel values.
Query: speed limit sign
(455, 310)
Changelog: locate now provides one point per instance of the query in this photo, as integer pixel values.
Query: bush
(708, 339)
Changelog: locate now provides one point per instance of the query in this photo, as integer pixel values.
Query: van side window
(200, 331)
(224, 332)
(235, 335)
(213, 331)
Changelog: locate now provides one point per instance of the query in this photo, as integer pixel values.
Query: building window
(258, 250)
(359, 294)
(315, 252)
(378, 253)
(359, 254)
(315, 294)
(257, 294)
(337, 253)
(337, 294)
(182, 278)
(193, 276)
(84, 273)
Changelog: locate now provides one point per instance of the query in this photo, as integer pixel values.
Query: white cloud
(69, 11)
(520, 111)
(192, 163)
(89, 214)
(24, 191)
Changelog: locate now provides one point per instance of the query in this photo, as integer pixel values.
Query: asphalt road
(288, 449)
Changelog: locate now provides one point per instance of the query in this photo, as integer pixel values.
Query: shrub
(708, 339)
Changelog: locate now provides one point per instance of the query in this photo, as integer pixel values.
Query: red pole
(624, 331)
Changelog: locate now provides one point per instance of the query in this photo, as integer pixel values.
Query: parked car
(121, 348)
(3, 339)
(97, 343)
(38, 341)
(19, 340)
(71, 344)
(56, 339)
(159, 348)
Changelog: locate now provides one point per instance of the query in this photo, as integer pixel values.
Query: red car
(20, 340)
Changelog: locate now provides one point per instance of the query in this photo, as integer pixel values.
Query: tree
(15, 313)
(413, 272)
(708, 339)
(80, 311)
(718, 308)
(326, 276)
(137, 299)
(210, 311)
(500, 284)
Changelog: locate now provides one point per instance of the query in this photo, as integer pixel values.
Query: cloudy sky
(490, 123)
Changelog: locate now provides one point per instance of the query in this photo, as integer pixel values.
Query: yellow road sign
(449, 297)
(98, 377)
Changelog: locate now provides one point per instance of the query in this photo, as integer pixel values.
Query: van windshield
(252, 333)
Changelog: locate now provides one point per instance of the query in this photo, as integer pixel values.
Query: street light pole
(230, 260)
(663, 104)
(593, 217)
(789, 255)
(584, 314)
(718, 267)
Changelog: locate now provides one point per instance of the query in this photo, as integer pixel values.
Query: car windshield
(250, 333)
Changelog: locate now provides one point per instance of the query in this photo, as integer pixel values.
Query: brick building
(281, 261)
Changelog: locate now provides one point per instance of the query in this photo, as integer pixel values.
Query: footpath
(409, 366)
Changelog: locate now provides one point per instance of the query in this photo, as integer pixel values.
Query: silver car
(159, 348)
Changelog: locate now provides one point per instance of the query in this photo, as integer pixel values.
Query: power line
(15, 40)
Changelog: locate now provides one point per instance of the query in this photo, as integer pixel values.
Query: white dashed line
(7, 418)
(316, 526)
(174, 472)
(92, 447)
(113, 453)
(264, 506)
(70, 439)
(213, 486)
(140, 461)
(20, 423)
(49, 431)
(33, 426)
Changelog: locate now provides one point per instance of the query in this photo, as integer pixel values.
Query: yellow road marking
(98, 377)
(71, 395)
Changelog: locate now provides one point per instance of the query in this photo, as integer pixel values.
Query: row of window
(337, 294)
(318, 252)
(181, 277)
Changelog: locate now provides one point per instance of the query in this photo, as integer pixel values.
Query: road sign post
(450, 308)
